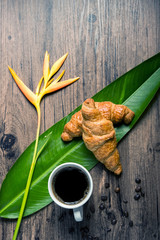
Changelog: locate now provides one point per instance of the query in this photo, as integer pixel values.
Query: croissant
(99, 136)
(110, 111)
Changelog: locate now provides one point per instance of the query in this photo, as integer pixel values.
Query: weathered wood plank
(104, 40)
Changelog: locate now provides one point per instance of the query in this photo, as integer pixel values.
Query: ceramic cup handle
(78, 214)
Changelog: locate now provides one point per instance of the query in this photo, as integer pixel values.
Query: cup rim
(61, 204)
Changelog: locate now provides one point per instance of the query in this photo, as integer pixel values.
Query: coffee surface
(70, 185)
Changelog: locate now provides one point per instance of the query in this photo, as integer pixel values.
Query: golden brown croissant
(99, 136)
(114, 112)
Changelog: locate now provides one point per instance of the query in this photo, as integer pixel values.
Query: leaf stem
(29, 177)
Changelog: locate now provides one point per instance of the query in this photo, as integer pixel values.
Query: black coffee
(70, 185)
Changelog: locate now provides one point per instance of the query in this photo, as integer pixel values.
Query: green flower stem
(29, 178)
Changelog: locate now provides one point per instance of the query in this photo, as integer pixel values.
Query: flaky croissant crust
(110, 111)
(94, 122)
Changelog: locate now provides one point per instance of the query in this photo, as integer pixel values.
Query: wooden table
(104, 39)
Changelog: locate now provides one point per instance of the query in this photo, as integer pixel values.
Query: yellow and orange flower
(50, 84)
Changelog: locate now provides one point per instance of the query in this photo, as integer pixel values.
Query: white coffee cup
(78, 205)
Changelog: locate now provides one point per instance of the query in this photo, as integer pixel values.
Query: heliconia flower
(50, 85)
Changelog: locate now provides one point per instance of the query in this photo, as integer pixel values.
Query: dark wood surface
(104, 39)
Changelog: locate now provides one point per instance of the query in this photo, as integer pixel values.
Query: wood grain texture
(104, 40)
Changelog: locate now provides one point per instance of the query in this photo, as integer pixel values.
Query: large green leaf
(135, 89)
